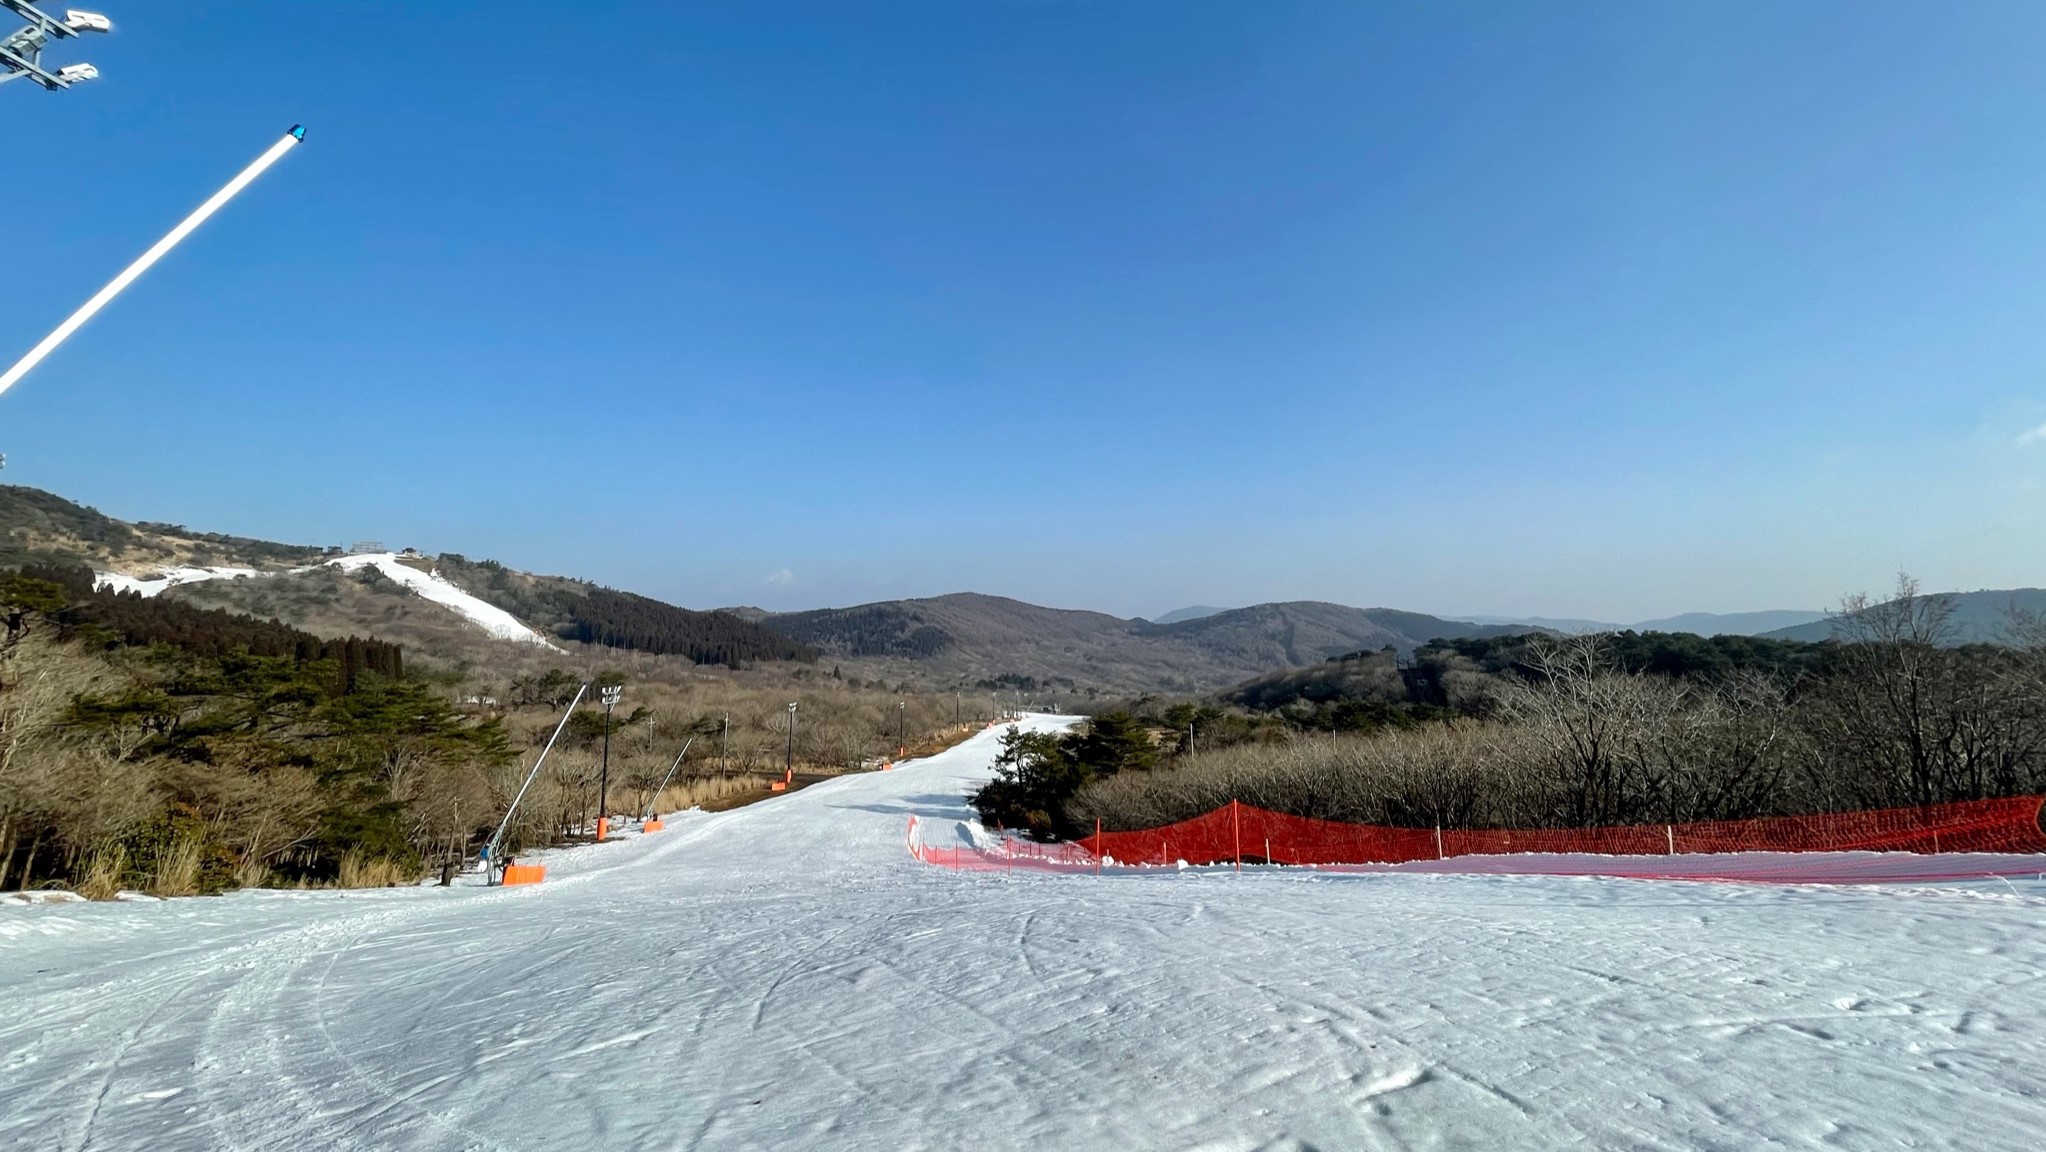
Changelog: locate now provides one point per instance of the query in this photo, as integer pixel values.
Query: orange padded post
(653, 825)
(524, 874)
(603, 828)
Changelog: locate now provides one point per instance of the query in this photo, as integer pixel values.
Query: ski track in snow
(783, 975)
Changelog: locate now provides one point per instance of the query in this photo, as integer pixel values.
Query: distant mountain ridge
(1731, 623)
(1979, 617)
(963, 639)
(973, 638)
(1699, 623)
(1191, 612)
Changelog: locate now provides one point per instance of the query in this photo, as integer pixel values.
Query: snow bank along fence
(1242, 834)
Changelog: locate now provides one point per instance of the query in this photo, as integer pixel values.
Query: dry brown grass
(252, 873)
(709, 792)
(360, 871)
(103, 873)
(177, 870)
(948, 737)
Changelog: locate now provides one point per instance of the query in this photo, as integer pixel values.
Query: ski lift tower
(21, 51)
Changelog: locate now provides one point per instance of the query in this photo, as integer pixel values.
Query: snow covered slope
(784, 976)
(434, 587)
(492, 619)
(166, 579)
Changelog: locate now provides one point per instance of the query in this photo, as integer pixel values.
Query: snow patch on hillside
(433, 586)
(168, 578)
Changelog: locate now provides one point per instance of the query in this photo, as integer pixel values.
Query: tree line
(626, 620)
(67, 596)
(572, 610)
(149, 744)
(1542, 731)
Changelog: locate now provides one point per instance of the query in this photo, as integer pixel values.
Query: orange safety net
(1242, 833)
(1005, 854)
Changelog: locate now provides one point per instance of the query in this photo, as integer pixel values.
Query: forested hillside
(1540, 731)
(106, 619)
(150, 743)
(37, 527)
(584, 612)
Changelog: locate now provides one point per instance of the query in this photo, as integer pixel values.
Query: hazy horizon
(1614, 314)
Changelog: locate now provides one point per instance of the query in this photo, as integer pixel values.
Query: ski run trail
(785, 976)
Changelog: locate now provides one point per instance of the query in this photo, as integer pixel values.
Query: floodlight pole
(497, 837)
(611, 694)
(143, 263)
(788, 763)
(21, 52)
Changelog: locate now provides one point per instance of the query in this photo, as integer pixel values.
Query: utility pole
(611, 694)
(789, 760)
(724, 742)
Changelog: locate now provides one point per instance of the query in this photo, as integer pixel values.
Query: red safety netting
(1000, 854)
(1240, 832)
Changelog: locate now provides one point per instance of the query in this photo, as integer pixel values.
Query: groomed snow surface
(433, 586)
(784, 976)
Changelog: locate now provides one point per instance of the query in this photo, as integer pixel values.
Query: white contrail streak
(142, 264)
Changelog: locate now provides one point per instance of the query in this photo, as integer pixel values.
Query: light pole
(611, 694)
(901, 726)
(788, 764)
(724, 742)
(21, 52)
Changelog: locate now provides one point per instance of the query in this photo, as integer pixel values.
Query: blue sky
(1601, 310)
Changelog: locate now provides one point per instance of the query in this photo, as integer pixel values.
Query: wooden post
(1439, 855)
(1097, 845)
